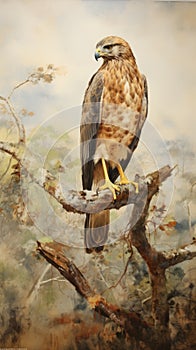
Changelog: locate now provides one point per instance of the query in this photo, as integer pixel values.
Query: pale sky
(162, 36)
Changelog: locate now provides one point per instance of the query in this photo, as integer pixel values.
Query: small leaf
(48, 78)
(45, 239)
(31, 114)
(50, 66)
(40, 69)
(3, 108)
(23, 111)
(154, 207)
(171, 223)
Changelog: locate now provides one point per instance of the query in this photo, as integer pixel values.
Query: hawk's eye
(108, 47)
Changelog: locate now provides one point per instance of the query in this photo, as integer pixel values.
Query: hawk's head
(113, 47)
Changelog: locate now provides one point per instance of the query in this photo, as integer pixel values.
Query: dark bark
(133, 323)
(154, 259)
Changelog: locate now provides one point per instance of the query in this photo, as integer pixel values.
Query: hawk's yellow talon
(124, 180)
(112, 187)
(108, 184)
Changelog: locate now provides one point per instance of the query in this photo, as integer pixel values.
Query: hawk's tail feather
(96, 231)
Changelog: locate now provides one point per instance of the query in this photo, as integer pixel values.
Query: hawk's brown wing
(89, 127)
(96, 225)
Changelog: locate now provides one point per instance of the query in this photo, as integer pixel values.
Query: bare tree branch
(46, 75)
(18, 86)
(177, 256)
(138, 232)
(133, 323)
(153, 259)
(78, 201)
(92, 202)
(124, 272)
(35, 288)
(19, 124)
(11, 149)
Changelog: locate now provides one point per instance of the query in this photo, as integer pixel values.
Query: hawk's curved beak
(97, 54)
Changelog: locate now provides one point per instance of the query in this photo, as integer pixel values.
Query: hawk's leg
(124, 180)
(108, 184)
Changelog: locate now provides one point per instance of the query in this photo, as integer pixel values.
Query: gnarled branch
(133, 324)
(82, 201)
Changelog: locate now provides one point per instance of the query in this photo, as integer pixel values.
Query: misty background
(64, 33)
(33, 299)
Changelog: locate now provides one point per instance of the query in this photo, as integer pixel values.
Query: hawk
(113, 113)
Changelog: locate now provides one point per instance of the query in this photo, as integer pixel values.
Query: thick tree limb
(76, 201)
(138, 232)
(82, 202)
(157, 261)
(132, 322)
(92, 202)
(153, 259)
(88, 201)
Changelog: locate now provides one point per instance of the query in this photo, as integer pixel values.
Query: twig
(123, 274)
(35, 288)
(19, 124)
(18, 86)
(54, 279)
(11, 149)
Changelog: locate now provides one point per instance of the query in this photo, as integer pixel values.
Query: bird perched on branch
(114, 110)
